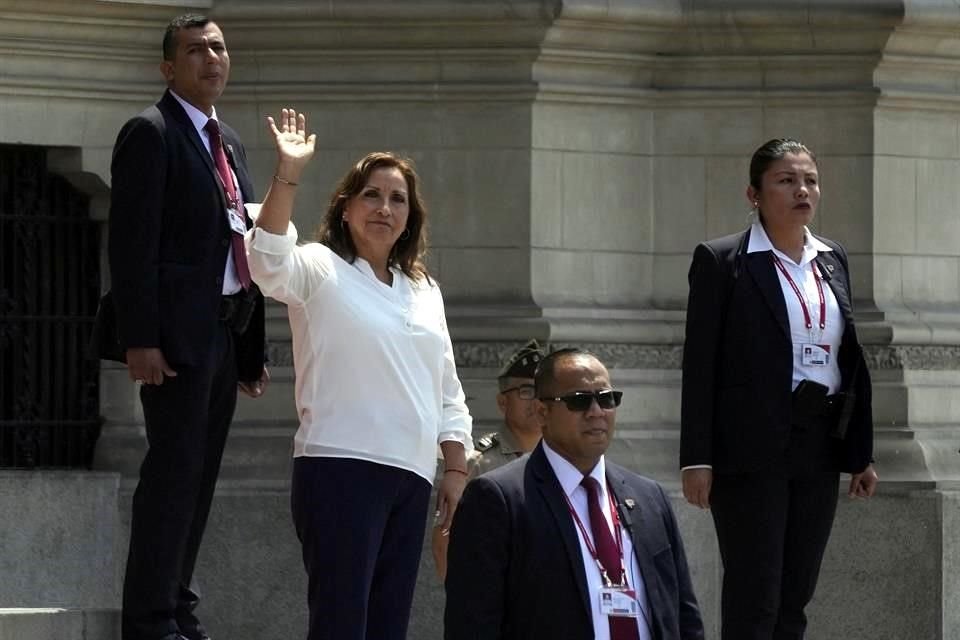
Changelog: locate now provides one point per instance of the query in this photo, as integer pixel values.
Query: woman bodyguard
(776, 397)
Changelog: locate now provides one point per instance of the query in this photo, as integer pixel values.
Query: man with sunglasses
(564, 543)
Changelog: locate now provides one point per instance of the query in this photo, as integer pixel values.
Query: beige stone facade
(573, 153)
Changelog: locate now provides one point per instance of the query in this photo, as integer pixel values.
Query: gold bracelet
(282, 181)
(457, 470)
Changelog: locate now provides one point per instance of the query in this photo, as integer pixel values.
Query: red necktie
(621, 628)
(230, 191)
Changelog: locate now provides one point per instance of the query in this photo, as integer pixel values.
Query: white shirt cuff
(271, 243)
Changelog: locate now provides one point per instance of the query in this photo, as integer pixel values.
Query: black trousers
(187, 419)
(361, 525)
(772, 528)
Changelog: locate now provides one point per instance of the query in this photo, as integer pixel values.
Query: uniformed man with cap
(518, 435)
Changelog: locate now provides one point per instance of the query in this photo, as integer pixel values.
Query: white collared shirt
(231, 282)
(375, 374)
(570, 478)
(803, 275)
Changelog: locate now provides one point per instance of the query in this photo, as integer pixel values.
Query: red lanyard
(802, 298)
(589, 543)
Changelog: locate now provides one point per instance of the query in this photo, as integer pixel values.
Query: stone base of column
(890, 566)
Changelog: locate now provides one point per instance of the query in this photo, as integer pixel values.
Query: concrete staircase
(59, 624)
(59, 555)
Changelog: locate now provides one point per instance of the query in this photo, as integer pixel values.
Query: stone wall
(572, 153)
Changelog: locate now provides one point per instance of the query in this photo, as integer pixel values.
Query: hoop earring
(405, 234)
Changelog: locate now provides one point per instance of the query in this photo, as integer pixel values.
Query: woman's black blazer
(738, 362)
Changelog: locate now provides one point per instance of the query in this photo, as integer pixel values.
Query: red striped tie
(621, 628)
(230, 191)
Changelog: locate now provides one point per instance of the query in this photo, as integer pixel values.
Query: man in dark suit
(190, 323)
(562, 543)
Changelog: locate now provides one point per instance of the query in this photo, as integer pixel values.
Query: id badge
(237, 223)
(815, 355)
(619, 601)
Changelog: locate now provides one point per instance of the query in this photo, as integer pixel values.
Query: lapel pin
(629, 503)
(830, 268)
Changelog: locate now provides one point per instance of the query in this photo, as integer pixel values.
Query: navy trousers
(187, 419)
(772, 529)
(361, 526)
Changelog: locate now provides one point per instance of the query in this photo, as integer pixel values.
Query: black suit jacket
(169, 237)
(514, 566)
(738, 362)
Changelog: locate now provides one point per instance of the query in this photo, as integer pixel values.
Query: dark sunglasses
(581, 400)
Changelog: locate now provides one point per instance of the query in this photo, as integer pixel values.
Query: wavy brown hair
(408, 252)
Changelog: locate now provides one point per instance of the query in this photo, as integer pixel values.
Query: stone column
(572, 155)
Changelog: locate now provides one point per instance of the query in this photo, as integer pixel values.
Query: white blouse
(375, 374)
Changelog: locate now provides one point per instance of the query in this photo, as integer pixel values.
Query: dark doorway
(49, 288)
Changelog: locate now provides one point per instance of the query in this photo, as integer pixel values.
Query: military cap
(523, 363)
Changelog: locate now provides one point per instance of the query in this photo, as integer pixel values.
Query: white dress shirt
(231, 282)
(802, 274)
(570, 478)
(375, 374)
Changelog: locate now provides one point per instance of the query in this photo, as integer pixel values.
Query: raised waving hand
(294, 147)
(294, 150)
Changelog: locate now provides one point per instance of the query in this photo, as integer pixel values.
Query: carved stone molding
(913, 357)
(492, 354)
(614, 355)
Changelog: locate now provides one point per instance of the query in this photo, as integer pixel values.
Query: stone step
(59, 539)
(59, 624)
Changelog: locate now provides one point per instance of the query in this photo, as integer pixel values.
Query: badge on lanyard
(619, 601)
(812, 354)
(237, 223)
(815, 355)
(615, 599)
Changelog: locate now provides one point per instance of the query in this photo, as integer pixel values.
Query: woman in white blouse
(376, 385)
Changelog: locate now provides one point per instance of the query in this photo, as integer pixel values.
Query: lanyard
(593, 550)
(802, 298)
